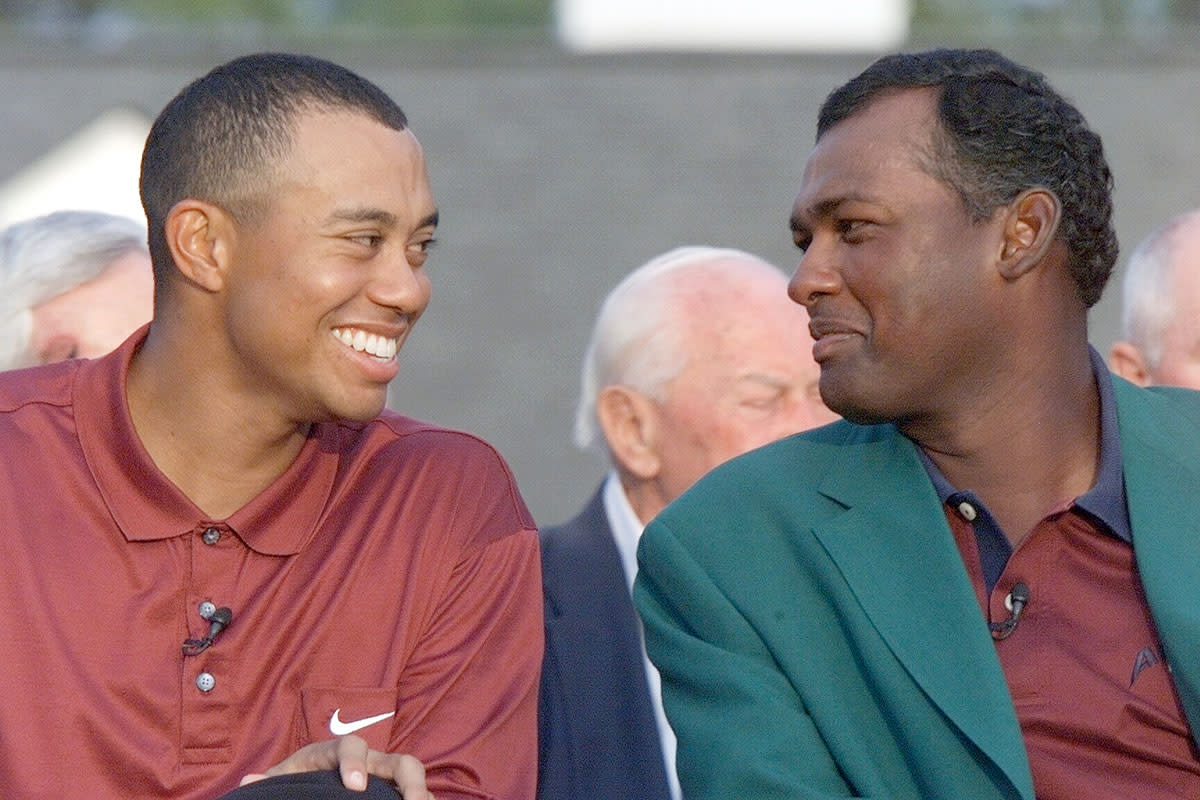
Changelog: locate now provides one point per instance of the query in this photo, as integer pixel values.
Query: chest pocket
(329, 712)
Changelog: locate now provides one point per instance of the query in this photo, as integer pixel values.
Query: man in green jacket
(986, 582)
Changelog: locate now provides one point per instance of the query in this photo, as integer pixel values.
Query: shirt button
(967, 510)
(205, 682)
(211, 536)
(207, 608)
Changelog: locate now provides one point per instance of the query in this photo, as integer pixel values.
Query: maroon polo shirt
(386, 584)
(1093, 694)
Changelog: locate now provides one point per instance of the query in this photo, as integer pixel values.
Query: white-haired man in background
(696, 357)
(72, 284)
(1160, 308)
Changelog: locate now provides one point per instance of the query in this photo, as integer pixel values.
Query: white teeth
(371, 343)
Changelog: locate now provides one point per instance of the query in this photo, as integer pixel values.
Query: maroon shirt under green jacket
(1093, 693)
(392, 568)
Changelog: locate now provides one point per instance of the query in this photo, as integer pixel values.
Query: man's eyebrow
(364, 214)
(378, 215)
(823, 209)
(763, 379)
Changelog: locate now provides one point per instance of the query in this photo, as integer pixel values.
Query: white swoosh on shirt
(339, 728)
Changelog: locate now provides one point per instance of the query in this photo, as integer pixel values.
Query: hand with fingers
(354, 761)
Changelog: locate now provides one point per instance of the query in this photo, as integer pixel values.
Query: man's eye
(763, 402)
(419, 251)
(422, 247)
(371, 240)
(846, 227)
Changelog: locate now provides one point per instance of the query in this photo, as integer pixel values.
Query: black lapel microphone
(1017, 599)
(218, 621)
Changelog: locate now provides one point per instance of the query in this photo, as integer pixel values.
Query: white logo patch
(339, 728)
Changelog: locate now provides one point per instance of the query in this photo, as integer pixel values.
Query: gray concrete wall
(556, 175)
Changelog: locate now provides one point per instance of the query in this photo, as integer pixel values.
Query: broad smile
(381, 347)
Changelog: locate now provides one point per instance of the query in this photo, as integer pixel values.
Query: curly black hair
(1003, 130)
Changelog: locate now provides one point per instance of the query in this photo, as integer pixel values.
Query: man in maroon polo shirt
(222, 558)
(983, 584)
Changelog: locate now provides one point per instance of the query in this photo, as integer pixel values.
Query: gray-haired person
(73, 284)
(1160, 308)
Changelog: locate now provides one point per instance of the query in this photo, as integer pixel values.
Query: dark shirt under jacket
(597, 737)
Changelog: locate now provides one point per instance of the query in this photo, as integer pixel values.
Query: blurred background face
(1179, 364)
(95, 317)
(750, 379)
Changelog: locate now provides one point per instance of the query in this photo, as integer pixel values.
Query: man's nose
(815, 275)
(399, 285)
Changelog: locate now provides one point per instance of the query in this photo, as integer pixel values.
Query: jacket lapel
(1160, 449)
(895, 550)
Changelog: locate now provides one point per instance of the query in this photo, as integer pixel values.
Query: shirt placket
(209, 688)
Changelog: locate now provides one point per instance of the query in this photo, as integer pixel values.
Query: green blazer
(817, 633)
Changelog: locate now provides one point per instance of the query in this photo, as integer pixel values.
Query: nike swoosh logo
(339, 728)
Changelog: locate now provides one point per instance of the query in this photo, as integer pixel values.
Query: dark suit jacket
(817, 633)
(597, 738)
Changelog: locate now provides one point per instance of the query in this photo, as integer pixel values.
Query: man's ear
(1030, 226)
(1126, 360)
(629, 421)
(200, 238)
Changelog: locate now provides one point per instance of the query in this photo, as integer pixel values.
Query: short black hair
(220, 137)
(1003, 129)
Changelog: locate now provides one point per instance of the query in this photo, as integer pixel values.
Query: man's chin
(346, 409)
(853, 407)
(861, 416)
(360, 414)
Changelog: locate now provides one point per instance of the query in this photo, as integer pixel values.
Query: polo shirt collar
(147, 506)
(1105, 501)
